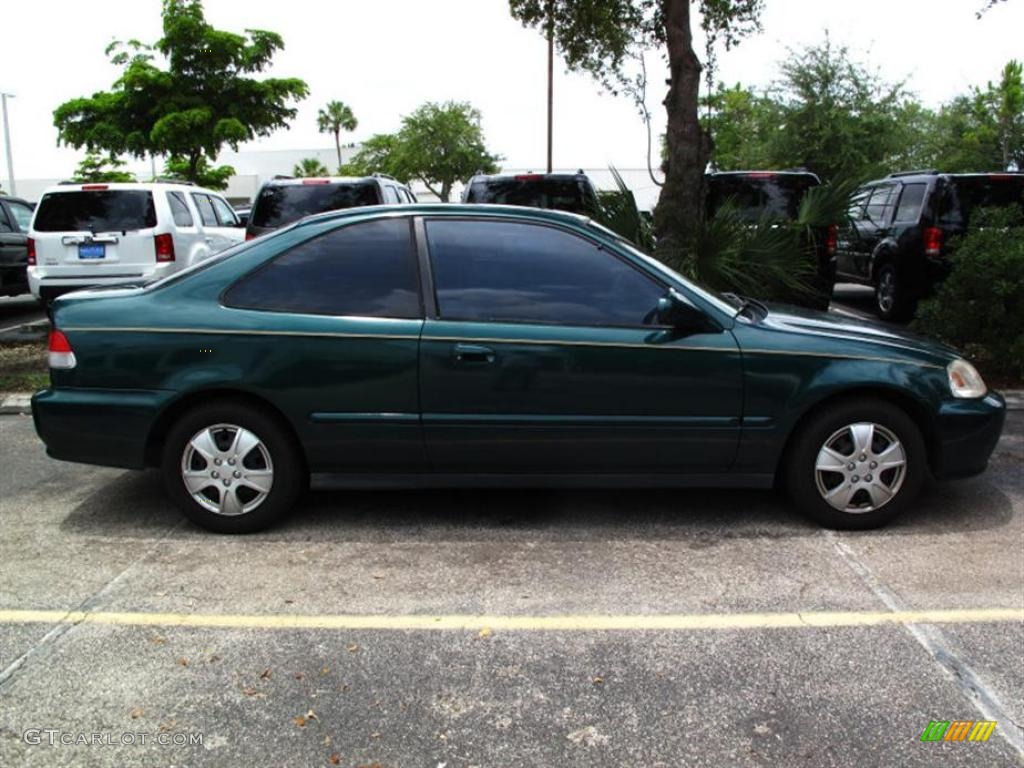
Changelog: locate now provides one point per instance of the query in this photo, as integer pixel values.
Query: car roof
(763, 173)
(529, 175)
(12, 198)
(469, 210)
(291, 181)
(114, 186)
(933, 174)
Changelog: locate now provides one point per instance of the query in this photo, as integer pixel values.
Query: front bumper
(968, 431)
(109, 428)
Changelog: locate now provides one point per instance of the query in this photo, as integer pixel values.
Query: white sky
(385, 57)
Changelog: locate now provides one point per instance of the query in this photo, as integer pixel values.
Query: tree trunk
(688, 146)
(337, 146)
(193, 166)
(446, 191)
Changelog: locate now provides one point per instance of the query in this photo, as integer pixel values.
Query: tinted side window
(909, 209)
(22, 214)
(205, 206)
(179, 209)
(391, 195)
(225, 213)
(507, 272)
(365, 269)
(878, 205)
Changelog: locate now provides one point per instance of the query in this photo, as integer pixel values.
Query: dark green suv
(900, 229)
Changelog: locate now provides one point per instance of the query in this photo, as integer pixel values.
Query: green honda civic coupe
(492, 346)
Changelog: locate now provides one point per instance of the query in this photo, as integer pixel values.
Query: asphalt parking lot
(504, 628)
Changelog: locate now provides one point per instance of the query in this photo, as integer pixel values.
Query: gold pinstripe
(486, 340)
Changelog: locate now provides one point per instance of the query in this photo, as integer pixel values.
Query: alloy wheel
(860, 468)
(887, 291)
(227, 469)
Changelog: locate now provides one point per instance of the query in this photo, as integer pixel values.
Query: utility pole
(551, 73)
(7, 142)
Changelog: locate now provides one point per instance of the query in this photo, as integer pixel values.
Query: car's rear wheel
(857, 465)
(231, 468)
(891, 299)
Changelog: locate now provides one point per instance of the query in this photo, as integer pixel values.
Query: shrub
(979, 308)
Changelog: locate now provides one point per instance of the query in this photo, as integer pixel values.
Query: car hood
(815, 324)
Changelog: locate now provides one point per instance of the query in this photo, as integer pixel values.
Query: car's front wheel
(891, 299)
(231, 468)
(857, 465)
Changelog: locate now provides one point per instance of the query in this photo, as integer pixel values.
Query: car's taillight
(60, 353)
(932, 241)
(250, 236)
(30, 244)
(164, 247)
(831, 239)
(316, 181)
(94, 187)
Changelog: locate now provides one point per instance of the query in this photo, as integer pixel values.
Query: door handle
(473, 353)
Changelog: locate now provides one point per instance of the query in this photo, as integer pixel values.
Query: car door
(874, 226)
(213, 232)
(543, 354)
(339, 318)
(229, 230)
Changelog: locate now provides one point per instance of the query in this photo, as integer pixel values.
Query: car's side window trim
(425, 254)
(414, 255)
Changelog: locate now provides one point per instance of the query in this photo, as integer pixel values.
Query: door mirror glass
(674, 310)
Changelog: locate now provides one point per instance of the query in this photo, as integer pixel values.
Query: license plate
(92, 251)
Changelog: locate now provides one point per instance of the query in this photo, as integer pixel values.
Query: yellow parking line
(565, 623)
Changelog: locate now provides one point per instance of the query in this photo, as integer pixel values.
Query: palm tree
(310, 167)
(334, 118)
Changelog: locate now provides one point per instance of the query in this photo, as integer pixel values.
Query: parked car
(776, 195)
(85, 235)
(572, 192)
(284, 200)
(454, 345)
(901, 227)
(242, 212)
(15, 215)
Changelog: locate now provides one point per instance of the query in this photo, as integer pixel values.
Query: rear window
(115, 210)
(572, 195)
(755, 197)
(281, 204)
(963, 195)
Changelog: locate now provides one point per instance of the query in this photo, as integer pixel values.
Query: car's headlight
(964, 380)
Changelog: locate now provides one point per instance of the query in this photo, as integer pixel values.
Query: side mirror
(674, 310)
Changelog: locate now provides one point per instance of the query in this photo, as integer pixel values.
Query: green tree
(334, 118)
(438, 144)
(742, 125)
(309, 167)
(199, 95)
(602, 37)
(203, 173)
(97, 167)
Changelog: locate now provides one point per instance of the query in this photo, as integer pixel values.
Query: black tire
(802, 477)
(288, 473)
(891, 295)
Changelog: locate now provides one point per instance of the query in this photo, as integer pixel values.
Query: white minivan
(87, 235)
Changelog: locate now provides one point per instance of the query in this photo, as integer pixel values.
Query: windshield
(280, 204)
(572, 195)
(718, 301)
(775, 196)
(117, 210)
(967, 193)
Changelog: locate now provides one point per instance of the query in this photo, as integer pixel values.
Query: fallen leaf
(485, 633)
(300, 721)
(253, 693)
(378, 575)
(183, 661)
(265, 674)
(325, 670)
(311, 715)
(158, 640)
(137, 712)
(334, 759)
(298, 675)
(165, 727)
(213, 658)
(352, 647)
(375, 735)
(598, 680)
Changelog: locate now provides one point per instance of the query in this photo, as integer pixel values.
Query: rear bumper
(104, 427)
(968, 433)
(48, 285)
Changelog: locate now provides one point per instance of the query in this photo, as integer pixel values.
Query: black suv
(15, 215)
(777, 195)
(900, 227)
(573, 192)
(284, 199)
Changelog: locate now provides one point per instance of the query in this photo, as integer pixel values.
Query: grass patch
(23, 366)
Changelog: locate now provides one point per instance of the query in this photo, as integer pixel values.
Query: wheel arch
(884, 253)
(913, 407)
(174, 410)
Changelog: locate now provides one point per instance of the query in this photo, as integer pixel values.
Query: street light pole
(7, 143)
(551, 71)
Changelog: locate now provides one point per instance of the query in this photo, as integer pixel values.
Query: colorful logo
(958, 730)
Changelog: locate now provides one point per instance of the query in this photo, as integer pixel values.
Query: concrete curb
(20, 402)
